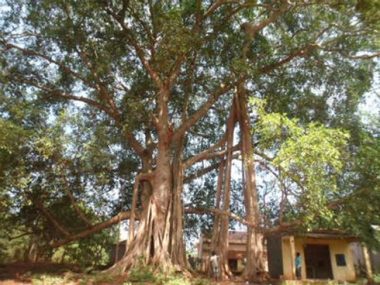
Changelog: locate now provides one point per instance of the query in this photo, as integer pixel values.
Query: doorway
(318, 262)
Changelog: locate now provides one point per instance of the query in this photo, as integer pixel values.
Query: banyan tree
(187, 87)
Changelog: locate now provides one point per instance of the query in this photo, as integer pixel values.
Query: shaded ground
(57, 274)
(50, 273)
(21, 273)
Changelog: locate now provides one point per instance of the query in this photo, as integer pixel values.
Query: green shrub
(89, 254)
(45, 279)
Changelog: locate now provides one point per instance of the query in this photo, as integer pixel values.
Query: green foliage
(369, 11)
(376, 278)
(88, 253)
(361, 191)
(46, 169)
(45, 279)
(311, 156)
(13, 250)
(11, 137)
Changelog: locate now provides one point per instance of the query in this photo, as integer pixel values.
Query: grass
(136, 277)
(47, 279)
(147, 277)
(144, 275)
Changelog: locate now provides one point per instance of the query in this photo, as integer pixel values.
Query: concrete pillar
(367, 262)
(293, 256)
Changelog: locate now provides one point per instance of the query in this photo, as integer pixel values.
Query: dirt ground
(17, 282)
(22, 273)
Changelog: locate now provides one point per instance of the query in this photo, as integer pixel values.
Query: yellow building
(324, 255)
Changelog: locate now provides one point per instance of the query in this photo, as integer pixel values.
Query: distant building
(375, 260)
(237, 248)
(117, 251)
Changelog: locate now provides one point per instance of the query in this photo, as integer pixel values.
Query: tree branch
(135, 145)
(51, 218)
(60, 94)
(206, 155)
(280, 228)
(201, 156)
(74, 203)
(206, 170)
(20, 235)
(99, 85)
(175, 71)
(214, 6)
(202, 111)
(139, 50)
(94, 229)
(29, 52)
(301, 52)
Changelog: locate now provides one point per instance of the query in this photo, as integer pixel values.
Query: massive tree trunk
(255, 258)
(159, 238)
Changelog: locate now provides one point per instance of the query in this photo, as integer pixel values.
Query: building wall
(359, 263)
(237, 250)
(341, 273)
(119, 255)
(274, 248)
(237, 247)
(375, 258)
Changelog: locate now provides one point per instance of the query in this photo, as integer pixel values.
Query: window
(233, 264)
(340, 259)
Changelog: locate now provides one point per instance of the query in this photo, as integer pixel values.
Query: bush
(89, 254)
(141, 273)
(47, 280)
